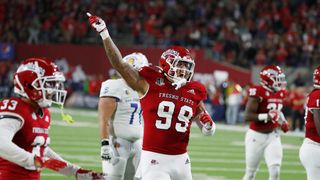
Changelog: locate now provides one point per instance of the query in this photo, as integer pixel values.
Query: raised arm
(128, 73)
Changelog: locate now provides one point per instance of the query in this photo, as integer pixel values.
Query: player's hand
(98, 25)
(205, 119)
(273, 115)
(107, 152)
(284, 127)
(54, 164)
(84, 174)
(209, 126)
(38, 162)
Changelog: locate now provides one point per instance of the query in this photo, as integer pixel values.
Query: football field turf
(218, 157)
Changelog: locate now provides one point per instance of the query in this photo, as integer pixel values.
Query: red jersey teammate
(170, 102)
(310, 149)
(25, 124)
(263, 110)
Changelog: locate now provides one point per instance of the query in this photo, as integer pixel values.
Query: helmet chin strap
(178, 82)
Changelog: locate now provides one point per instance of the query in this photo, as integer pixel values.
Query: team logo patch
(159, 82)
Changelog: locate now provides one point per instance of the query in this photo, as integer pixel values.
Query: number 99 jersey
(33, 135)
(268, 100)
(168, 113)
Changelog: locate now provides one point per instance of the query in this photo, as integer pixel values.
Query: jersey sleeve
(314, 100)
(9, 150)
(13, 109)
(149, 73)
(202, 92)
(255, 91)
(110, 88)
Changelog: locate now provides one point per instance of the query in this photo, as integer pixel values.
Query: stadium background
(230, 39)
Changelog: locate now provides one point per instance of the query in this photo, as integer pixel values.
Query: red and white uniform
(312, 103)
(259, 144)
(168, 117)
(310, 149)
(31, 138)
(167, 114)
(268, 100)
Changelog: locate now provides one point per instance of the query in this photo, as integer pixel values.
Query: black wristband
(105, 142)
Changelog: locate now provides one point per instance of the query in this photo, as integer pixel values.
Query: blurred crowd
(241, 32)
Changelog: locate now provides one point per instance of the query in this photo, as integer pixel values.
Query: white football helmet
(136, 59)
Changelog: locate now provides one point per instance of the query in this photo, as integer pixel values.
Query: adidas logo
(191, 91)
(187, 161)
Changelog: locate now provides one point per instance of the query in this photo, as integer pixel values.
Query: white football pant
(124, 150)
(155, 166)
(259, 145)
(310, 158)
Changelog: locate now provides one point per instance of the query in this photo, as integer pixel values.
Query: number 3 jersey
(32, 136)
(126, 121)
(267, 100)
(168, 113)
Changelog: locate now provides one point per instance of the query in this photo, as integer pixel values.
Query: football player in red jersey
(170, 102)
(263, 111)
(25, 124)
(310, 149)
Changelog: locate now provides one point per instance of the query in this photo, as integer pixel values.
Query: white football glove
(107, 152)
(208, 129)
(99, 25)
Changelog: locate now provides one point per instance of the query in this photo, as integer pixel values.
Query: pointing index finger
(89, 14)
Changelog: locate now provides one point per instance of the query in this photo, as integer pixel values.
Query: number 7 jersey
(126, 121)
(168, 113)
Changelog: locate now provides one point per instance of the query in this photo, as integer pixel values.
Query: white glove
(107, 152)
(99, 25)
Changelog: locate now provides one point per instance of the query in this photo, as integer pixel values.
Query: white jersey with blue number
(127, 120)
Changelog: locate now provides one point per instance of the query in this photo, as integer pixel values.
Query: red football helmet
(177, 63)
(39, 79)
(272, 77)
(316, 77)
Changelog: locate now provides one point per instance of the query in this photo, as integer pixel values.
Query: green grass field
(213, 158)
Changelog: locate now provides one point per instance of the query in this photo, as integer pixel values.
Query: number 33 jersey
(33, 135)
(168, 113)
(126, 121)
